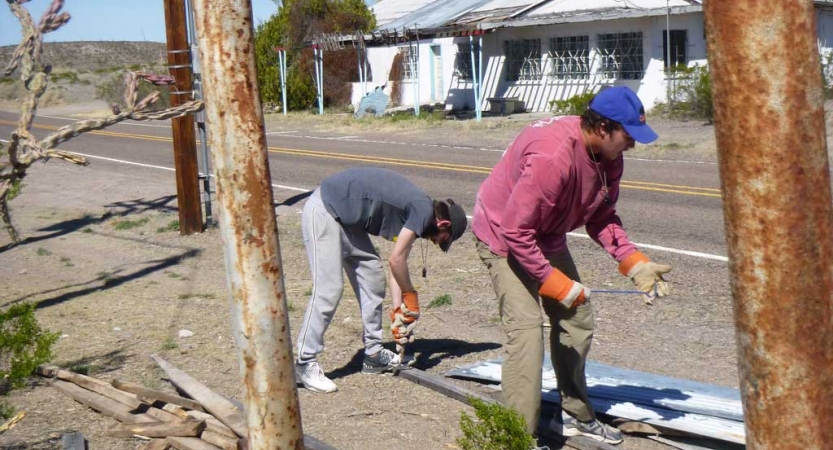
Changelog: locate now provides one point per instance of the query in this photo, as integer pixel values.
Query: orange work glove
(410, 304)
(560, 287)
(646, 275)
(403, 319)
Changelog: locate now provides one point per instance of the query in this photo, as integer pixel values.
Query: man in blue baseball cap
(559, 174)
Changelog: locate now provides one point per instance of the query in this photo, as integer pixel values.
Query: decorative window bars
(523, 60)
(462, 61)
(409, 62)
(570, 57)
(621, 56)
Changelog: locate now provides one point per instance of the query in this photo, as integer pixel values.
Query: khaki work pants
(522, 321)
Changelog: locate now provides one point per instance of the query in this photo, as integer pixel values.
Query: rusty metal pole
(779, 220)
(185, 144)
(247, 223)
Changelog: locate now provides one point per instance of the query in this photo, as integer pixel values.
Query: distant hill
(97, 55)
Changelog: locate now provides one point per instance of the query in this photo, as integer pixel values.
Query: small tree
(23, 345)
(293, 27)
(24, 149)
(498, 428)
(691, 95)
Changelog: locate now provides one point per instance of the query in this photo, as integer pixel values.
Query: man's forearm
(399, 274)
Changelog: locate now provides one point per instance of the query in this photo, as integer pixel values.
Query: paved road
(671, 204)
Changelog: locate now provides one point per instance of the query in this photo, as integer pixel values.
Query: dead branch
(23, 149)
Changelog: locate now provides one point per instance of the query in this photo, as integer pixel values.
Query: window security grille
(462, 61)
(621, 56)
(409, 62)
(570, 57)
(678, 50)
(523, 59)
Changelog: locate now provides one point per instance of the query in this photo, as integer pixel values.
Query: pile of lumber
(204, 420)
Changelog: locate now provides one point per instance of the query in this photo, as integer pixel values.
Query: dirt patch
(118, 287)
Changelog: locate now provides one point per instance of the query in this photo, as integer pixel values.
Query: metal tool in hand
(625, 291)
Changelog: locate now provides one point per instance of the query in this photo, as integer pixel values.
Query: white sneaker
(382, 361)
(312, 377)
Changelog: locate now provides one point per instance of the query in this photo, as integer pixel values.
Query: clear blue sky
(107, 20)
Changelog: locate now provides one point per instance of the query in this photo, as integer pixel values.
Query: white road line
(370, 141)
(169, 169)
(293, 188)
(660, 248)
(120, 161)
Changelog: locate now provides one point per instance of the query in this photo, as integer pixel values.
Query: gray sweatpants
(331, 248)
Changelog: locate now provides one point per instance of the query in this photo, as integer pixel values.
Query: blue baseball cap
(622, 105)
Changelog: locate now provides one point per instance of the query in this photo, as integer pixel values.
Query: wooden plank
(156, 444)
(74, 441)
(187, 428)
(12, 422)
(164, 416)
(442, 385)
(224, 442)
(176, 410)
(692, 444)
(151, 395)
(449, 389)
(100, 387)
(213, 424)
(220, 407)
(189, 443)
(100, 403)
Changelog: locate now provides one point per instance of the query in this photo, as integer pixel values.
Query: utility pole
(185, 145)
(248, 226)
(775, 177)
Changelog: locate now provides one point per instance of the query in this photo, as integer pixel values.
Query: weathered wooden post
(775, 174)
(247, 223)
(185, 143)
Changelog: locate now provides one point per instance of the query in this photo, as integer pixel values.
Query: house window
(570, 57)
(409, 62)
(678, 42)
(462, 61)
(621, 56)
(523, 59)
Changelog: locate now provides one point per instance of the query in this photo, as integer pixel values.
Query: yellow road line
(641, 185)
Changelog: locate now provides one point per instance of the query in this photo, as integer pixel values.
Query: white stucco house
(538, 50)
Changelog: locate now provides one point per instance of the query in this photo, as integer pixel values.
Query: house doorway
(437, 91)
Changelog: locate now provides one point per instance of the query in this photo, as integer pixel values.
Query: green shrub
(441, 300)
(7, 411)
(497, 428)
(70, 76)
(128, 224)
(23, 344)
(171, 226)
(14, 191)
(690, 95)
(573, 106)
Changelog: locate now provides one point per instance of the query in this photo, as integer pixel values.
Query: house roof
(387, 11)
(564, 11)
(436, 15)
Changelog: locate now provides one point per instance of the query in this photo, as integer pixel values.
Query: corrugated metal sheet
(698, 408)
(486, 14)
(434, 15)
(578, 6)
(387, 11)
